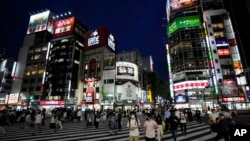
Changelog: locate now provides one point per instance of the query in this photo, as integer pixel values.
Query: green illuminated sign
(183, 22)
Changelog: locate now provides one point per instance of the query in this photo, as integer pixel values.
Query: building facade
(201, 55)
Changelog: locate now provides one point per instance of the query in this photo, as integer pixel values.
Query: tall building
(62, 76)
(7, 69)
(241, 32)
(31, 63)
(98, 69)
(202, 55)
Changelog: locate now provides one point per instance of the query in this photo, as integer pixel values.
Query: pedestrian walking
(119, 119)
(198, 115)
(174, 123)
(183, 122)
(167, 115)
(3, 122)
(149, 128)
(133, 125)
(38, 122)
(222, 129)
(112, 124)
(97, 117)
(161, 126)
(27, 120)
(53, 124)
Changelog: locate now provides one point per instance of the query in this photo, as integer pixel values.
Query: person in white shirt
(149, 128)
(38, 122)
(212, 118)
(133, 126)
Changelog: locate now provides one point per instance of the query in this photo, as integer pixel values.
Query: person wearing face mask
(149, 128)
(133, 126)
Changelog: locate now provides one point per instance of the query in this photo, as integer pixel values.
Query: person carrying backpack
(133, 126)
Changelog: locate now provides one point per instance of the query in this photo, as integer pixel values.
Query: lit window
(36, 57)
(33, 72)
(40, 71)
(38, 50)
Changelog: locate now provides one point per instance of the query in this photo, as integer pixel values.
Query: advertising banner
(179, 4)
(89, 95)
(38, 22)
(109, 61)
(229, 88)
(126, 70)
(63, 27)
(183, 22)
(52, 102)
(13, 98)
(180, 97)
(98, 38)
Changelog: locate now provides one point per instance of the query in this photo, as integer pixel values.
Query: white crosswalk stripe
(78, 132)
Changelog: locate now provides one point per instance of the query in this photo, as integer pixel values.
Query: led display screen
(183, 22)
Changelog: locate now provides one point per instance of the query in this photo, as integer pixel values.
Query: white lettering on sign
(125, 70)
(93, 41)
(111, 42)
(240, 132)
(94, 38)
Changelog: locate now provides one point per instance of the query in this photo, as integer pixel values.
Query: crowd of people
(157, 122)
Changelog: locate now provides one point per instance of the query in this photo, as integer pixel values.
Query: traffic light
(31, 97)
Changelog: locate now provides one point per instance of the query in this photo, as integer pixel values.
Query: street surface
(77, 131)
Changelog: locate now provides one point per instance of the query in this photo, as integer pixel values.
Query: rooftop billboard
(100, 37)
(179, 4)
(40, 22)
(69, 26)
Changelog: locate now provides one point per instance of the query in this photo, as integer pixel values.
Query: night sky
(137, 24)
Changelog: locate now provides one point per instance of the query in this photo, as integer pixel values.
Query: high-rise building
(31, 61)
(202, 55)
(62, 76)
(241, 32)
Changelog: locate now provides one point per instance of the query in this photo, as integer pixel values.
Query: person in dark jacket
(174, 123)
(222, 127)
(3, 122)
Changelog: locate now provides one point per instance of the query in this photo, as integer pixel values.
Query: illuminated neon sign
(183, 22)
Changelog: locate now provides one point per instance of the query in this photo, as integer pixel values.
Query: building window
(214, 51)
(218, 70)
(216, 61)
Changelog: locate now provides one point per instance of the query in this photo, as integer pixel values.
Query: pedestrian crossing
(77, 131)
